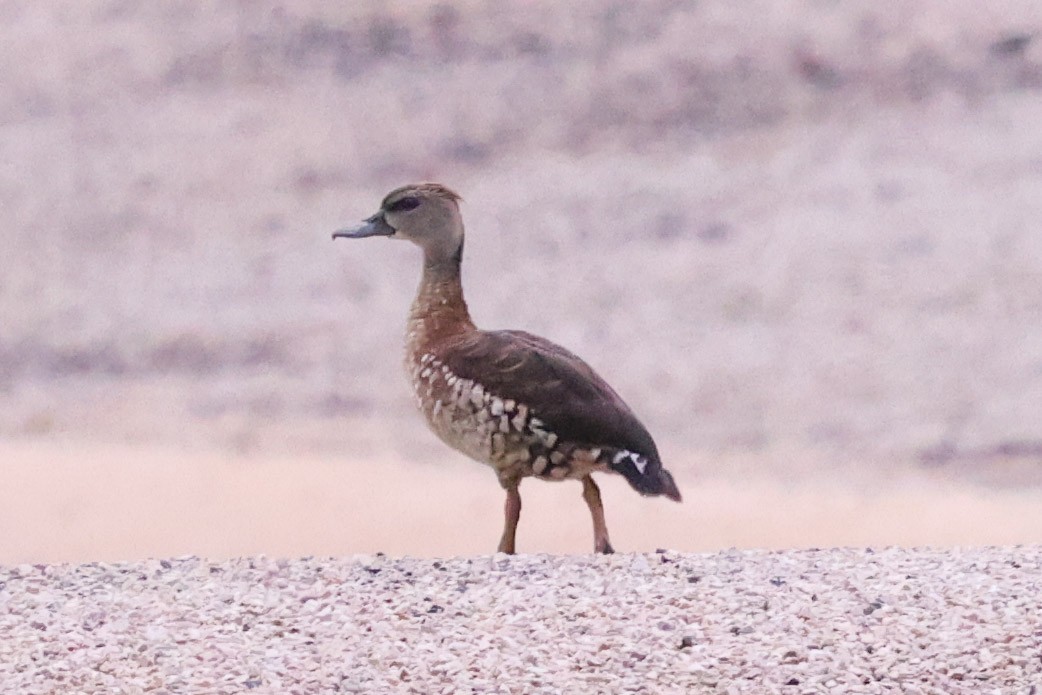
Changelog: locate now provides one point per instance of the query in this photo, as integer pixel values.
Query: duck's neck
(439, 310)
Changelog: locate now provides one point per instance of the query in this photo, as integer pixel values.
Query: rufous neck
(439, 309)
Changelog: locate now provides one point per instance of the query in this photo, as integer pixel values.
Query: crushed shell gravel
(818, 621)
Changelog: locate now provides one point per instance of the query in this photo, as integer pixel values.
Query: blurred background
(803, 239)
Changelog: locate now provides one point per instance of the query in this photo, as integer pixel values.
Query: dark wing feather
(558, 387)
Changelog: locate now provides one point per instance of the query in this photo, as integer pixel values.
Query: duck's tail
(645, 474)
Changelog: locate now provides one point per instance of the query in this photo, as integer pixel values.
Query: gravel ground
(847, 620)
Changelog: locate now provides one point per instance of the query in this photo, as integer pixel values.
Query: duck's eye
(404, 204)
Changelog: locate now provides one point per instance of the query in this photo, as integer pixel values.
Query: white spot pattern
(494, 430)
(639, 461)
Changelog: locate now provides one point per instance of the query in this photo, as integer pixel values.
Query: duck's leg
(592, 495)
(511, 513)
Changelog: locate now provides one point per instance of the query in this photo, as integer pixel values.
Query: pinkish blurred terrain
(802, 239)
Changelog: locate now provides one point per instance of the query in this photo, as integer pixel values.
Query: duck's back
(527, 406)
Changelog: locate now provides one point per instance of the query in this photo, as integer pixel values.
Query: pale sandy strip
(79, 502)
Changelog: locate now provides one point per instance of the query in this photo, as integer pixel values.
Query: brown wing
(556, 385)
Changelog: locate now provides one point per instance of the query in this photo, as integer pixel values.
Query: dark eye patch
(404, 204)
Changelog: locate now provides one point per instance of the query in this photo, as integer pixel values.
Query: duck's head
(426, 214)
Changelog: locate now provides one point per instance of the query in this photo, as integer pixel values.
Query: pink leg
(511, 513)
(592, 495)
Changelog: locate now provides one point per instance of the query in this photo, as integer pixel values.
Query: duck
(519, 403)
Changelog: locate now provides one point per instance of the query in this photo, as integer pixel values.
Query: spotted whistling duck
(509, 399)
